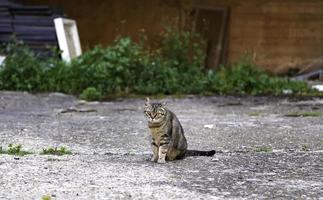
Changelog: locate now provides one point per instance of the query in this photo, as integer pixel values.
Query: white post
(68, 38)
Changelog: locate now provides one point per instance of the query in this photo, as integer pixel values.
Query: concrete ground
(261, 152)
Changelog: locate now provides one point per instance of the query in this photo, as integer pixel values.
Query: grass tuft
(305, 147)
(264, 149)
(56, 151)
(253, 114)
(46, 197)
(2, 151)
(303, 114)
(14, 150)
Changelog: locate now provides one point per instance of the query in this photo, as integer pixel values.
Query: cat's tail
(199, 153)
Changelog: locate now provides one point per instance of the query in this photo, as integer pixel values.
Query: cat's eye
(161, 112)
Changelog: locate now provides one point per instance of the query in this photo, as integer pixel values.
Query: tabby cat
(168, 140)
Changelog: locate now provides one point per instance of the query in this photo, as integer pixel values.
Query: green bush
(126, 67)
(174, 66)
(244, 78)
(110, 70)
(91, 94)
(22, 70)
(57, 75)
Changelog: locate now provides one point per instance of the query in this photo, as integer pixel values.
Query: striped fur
(168, 140)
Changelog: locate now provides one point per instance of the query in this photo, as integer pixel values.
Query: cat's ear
(147, 101)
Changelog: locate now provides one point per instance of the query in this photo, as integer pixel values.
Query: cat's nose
(153, 116)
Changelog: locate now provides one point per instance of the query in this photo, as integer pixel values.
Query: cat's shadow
(147, 159)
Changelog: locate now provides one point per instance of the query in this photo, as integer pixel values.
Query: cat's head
(155, 112)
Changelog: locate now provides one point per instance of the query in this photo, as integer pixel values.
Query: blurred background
(278, 37)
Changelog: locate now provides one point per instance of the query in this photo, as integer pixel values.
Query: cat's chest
(156, 132)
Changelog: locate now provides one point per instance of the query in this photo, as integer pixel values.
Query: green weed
(46, 197)
(245, 78)
(303, 114)
(14, 150)
(253, 114)
(265, 149)
(91, 94)
(305, 147)
(56, 151)
(2, 151)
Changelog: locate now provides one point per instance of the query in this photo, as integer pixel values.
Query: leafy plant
(91, 94)
(14, 150)
(253, 114)
(245, 78)
(264, 149)
(56, 151)
(2, 151)
(46, 197)
(110, 70)
(174, 65)
(305, 147)
(303, 114)
(57, 74)
(21, 69)
(24, 70)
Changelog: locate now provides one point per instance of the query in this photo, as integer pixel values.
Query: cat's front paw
(161, 161)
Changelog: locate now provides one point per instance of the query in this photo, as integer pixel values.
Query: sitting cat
(168, 140)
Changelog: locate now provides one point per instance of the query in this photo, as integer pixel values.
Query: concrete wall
(276, 33)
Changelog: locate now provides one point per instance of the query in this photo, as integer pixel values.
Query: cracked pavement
(261, 153)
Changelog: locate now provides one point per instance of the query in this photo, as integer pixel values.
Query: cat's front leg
(155, 151)
(163, 149)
